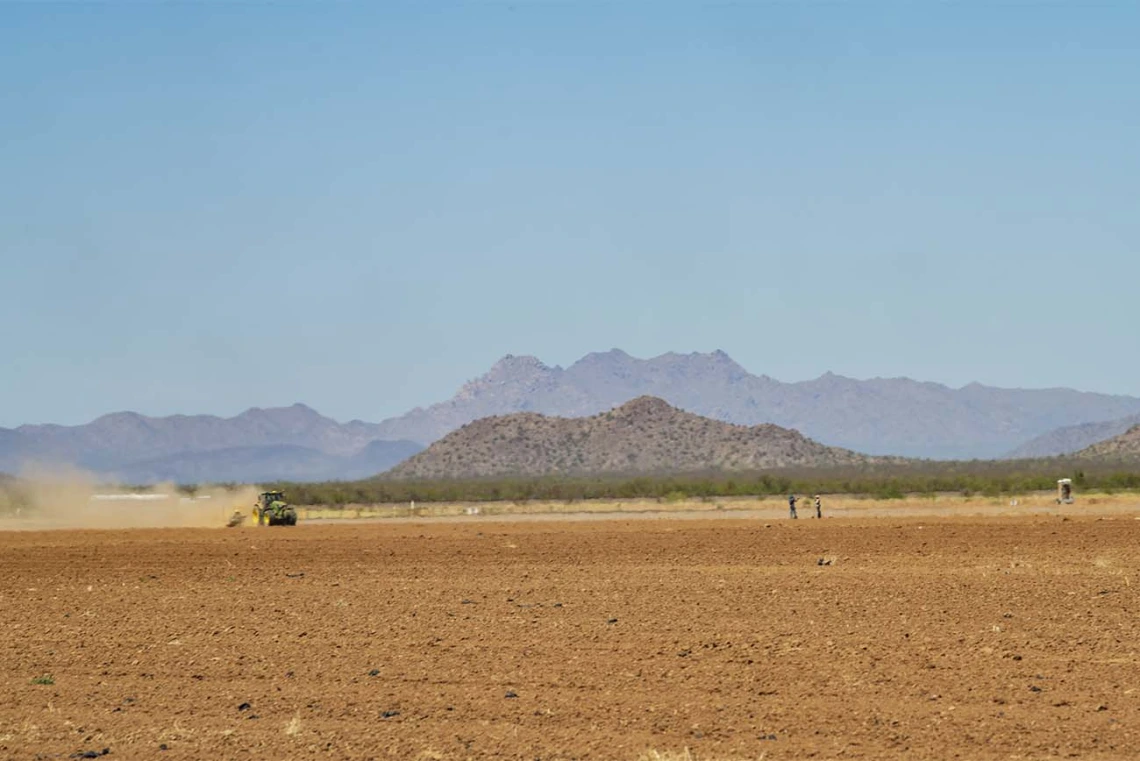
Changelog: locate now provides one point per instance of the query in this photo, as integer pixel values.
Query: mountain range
(895, 416)
(644, 435)
(294, 443)
(879, 416)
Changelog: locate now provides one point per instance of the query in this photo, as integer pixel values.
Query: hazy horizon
(459, 384)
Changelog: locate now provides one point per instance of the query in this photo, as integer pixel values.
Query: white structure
(1065, 491)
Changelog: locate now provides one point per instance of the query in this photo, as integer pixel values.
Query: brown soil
(977, 638)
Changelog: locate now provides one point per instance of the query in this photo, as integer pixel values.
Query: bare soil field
(855, 637)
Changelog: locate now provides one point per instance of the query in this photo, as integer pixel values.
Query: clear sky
(206, 207)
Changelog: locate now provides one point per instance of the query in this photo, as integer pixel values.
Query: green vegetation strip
(985, 478)
(988, 478)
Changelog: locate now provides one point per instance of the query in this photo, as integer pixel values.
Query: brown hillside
(645, 435)
(1126, 446)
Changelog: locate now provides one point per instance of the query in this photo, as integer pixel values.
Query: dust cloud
(62, 499)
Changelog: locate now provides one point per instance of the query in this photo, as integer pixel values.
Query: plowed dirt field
(915, 638)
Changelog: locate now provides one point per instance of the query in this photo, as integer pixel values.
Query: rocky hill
(645, 435)
(880, 416)
(1125, 447)
(1073, 438)
(293, 443)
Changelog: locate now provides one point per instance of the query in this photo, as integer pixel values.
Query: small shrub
(46, 679)
(889, 491)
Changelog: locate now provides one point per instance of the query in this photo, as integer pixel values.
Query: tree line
(989, 478)
(985, 478)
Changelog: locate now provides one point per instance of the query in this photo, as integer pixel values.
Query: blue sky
(207, 207)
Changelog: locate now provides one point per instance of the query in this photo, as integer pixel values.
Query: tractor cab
(269, 497)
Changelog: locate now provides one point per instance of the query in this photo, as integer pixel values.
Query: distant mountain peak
(512, 377)
(604, 358)
(519, 360)
(835, 380)
(712, 364)
(296, 413)
(126, 416)
(717, 355)
(513, 365)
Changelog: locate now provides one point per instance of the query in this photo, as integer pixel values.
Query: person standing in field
(818, 507)
(792, 505)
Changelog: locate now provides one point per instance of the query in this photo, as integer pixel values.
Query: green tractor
(272, 509)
